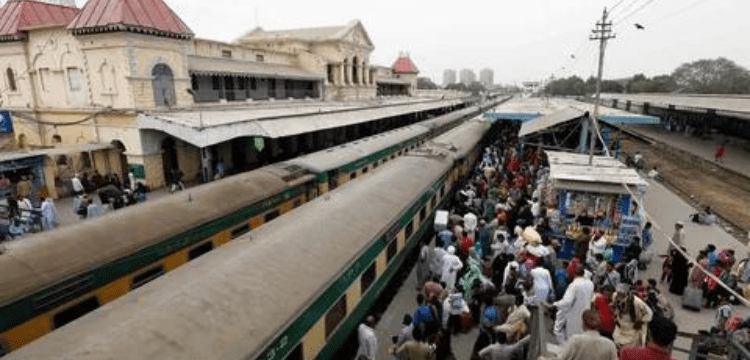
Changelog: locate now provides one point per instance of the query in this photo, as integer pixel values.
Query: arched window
(22, 141)
(11, 79)
(163, 83)
(56, 139)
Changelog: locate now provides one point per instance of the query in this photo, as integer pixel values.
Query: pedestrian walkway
(67, 216)
(737, 156)
(405, 302)
(665, 208)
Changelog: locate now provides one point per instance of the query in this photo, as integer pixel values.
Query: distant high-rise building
(468, 76)
(487, 77)
(449, 77)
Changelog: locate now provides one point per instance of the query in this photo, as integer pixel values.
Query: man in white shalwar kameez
(49, 214)
(570, 308)
(451, 265)
(368, 341)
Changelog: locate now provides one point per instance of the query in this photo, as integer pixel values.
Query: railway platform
(664, 209)
(737, 156)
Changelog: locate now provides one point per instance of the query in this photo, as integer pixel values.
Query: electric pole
(602, 33)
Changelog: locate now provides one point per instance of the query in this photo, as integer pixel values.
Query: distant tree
(664, 84)
(456, 86)
(611, 86)
(425, 83)
(475, 88)
(720, 76)
(571, 86)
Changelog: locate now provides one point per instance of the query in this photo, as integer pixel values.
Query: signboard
(630, 227)
(6, 122)
(139, 170)
(259, 143)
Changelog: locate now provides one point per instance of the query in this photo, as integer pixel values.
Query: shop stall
(599, 196)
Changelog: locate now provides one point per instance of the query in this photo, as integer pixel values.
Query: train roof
(336, 157)
(461, 139)
(44, 259)
(231, 302)
(446, 119)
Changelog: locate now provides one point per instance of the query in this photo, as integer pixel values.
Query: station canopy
(550, 120)
(522, 116)
(572, 171)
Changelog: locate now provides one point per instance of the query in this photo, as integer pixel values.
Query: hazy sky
(521, 40)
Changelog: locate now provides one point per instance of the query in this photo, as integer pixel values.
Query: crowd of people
(498, 266)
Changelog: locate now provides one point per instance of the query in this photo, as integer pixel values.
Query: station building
(136, 92)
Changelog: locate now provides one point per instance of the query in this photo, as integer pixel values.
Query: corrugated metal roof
(212, 127)
(548, 121)
(567, 158)
(220, 66)
(141, 15)
(404, 65)
(18, 16)
(572, 171)
(522, 116)
(725, 102)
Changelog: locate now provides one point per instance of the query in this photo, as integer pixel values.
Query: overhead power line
(647, 3)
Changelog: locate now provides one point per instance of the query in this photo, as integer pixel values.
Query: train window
(393, 157)
(433, 202)
(365, 170)
(368, 277)
(375, 165)
(353, 176)
(74, 312)
(147, 276)
(442, 190)
(296, 354)
(272, 215)
(392, 249)
(200, 250)
(409, 229)
(237, 232)
(297, 203)
(422, 214)
(335, 315)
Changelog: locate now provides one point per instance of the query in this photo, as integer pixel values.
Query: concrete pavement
(737, 156)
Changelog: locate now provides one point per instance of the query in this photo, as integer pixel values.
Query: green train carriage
(299, 285)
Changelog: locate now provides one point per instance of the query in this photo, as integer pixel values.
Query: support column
(360, 75)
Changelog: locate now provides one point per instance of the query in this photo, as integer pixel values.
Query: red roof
(19, 16)
(404, 65)
(150, 16)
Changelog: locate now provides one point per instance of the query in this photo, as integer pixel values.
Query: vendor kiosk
(599, 196)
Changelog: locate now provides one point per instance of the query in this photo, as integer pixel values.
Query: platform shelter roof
(572, 171)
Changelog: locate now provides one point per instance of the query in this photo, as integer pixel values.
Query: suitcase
(692, 298)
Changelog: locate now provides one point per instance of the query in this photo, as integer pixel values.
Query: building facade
(74, 76)
(467, 77)
(449, 77)
(487, 78)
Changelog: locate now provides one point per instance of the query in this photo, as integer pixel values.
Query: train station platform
(737, 156)
(405, 302)
(664, 209)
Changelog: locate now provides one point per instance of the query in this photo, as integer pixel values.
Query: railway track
(699, 181)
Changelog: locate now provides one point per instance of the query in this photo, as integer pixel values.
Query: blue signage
(6, 122)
